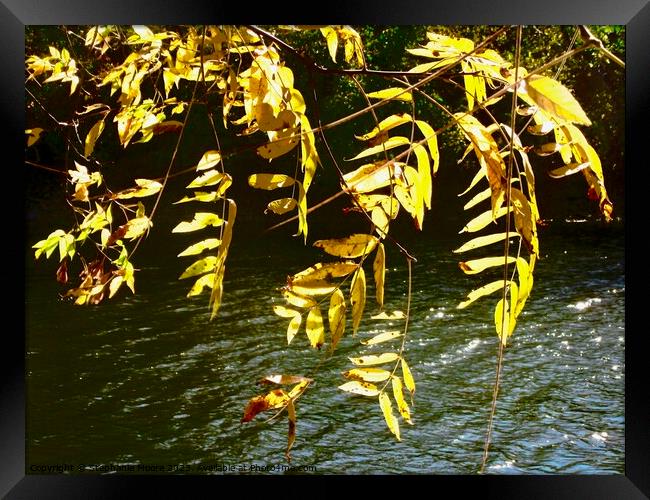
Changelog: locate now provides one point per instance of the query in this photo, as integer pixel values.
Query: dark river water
(146, 379)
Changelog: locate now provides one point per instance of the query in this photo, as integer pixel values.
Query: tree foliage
(130, 85)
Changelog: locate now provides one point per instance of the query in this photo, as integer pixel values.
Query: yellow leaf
(569, 169)
(137, 227)
(33, 135)
(482, 241)
(209, 160)
(432, 142)
(379, 271)
(361, 388)
(92, 136)
(291, 435)
(203, 196)
(280, 142)
(284, 380)
(385, 125)
(199, 247)
(336, 316)
(323, 271)
(393, 93)
(220, 268)
(205, 265)
(382, 337)
(315, 329)
(393, 315)
(372, 176)
(478, 265)
(201, 220)
(294, 326)
(309, 288)
(146, 187)
(357, 298)
(270, 181)
(506, 325)
(381, 359)
(297, 300)
(115, 285)
(424, 171)
(390, 143)
(482, 220)
(200, 284)
(525, 221)
(332, 41)
(351, 246)
(302, 212)
(387, 409)
(481, 292)
(408, 377)
(525, 273)
(209, 178)
(285, 312)
(281, 206)
(308, 152)
(398, 394)
(367, 374)
(554, 98)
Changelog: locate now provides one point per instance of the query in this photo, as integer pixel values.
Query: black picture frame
(15, 14)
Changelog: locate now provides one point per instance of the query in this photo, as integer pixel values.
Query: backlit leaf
(294, 326)
(146, 187)
(479, 265)
(297, 300)
(372, 176)
(203, 196)
(393, 93)
(385, 125)
(332, 41)
(361, 388)
(309, 288)
(284, 379)
(270, 181)
(569, 169)
(554, 98)
(200, 220)
(357, 298)
(205, 265)
(432, 142)
(382, 337)
(408, 377)
(481, 292)
(33, 135)
(207, 280)
(390, 143)
(482, 241)
(209, 160)
(209, 178)
(372, 359)
(315, 329)
(285, 312)
(482, 220)
(393, 315)
(324, 271)
(281, 206)
(379, 271)
(336, 316)
(199, 247)
(92, 136)
(281, 142)
(291, 435)
(398, 394)
(220, 268)
(367, 374)
(351, 246)
(387, 409)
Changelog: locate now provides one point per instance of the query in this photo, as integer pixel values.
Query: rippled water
(147, 379)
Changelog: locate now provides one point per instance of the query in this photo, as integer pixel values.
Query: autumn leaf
(387, 409)
(351, 246)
